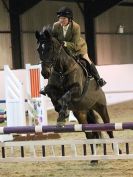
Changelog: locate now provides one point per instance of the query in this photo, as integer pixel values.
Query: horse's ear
(47, 31)
(37, 34)
(47, 34)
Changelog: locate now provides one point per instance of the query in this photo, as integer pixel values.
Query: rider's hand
(63, 44)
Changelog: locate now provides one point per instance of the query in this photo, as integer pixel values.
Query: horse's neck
(66, 60)
(63, 60)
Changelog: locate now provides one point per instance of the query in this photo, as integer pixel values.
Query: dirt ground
(113, 168)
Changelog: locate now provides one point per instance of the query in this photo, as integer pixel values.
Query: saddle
(84, 64)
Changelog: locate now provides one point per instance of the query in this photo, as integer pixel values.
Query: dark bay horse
(69, 86)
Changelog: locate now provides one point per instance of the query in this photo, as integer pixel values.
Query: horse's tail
(92, 118)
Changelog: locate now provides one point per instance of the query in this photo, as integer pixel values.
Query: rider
(67, 32)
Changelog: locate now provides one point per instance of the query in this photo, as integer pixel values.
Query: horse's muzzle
(46, 75)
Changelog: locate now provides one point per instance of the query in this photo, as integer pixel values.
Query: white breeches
(85, 56)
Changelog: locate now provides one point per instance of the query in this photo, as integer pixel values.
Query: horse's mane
(47, 28)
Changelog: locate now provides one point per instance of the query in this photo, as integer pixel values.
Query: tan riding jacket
(74, 42)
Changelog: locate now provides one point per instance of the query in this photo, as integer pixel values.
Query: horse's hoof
(60, 124)
(63, 115)
(61, 119)
(94, 162)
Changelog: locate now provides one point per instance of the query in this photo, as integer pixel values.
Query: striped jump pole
(2, 116)
(2, 101)
(35, 82)
(36, 101)
(68, 128)
(2, 113)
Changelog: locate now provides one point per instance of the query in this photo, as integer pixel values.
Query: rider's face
(63, 21)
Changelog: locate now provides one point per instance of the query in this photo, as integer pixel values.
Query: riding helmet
(65, 12)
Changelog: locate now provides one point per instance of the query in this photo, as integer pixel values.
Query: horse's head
(45, 50)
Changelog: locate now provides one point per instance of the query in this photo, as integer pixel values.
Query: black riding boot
(93, 71)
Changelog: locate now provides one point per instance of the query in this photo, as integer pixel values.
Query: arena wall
(119, 80)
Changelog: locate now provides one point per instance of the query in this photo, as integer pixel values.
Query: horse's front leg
(64, 101)
(64, 113)
(54, 95)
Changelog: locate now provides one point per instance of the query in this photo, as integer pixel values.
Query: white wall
(119, 81)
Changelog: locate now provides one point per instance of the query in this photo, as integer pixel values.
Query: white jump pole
(15, 102)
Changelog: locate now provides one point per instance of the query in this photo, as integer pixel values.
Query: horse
(69, 86)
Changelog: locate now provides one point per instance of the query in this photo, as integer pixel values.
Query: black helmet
(65, 12)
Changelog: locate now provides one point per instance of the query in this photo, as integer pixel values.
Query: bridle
(52, 59)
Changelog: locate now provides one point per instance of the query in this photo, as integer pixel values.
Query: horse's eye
(43, 46)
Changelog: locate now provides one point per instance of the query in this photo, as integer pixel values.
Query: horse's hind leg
(102, 110)
(85, 118)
